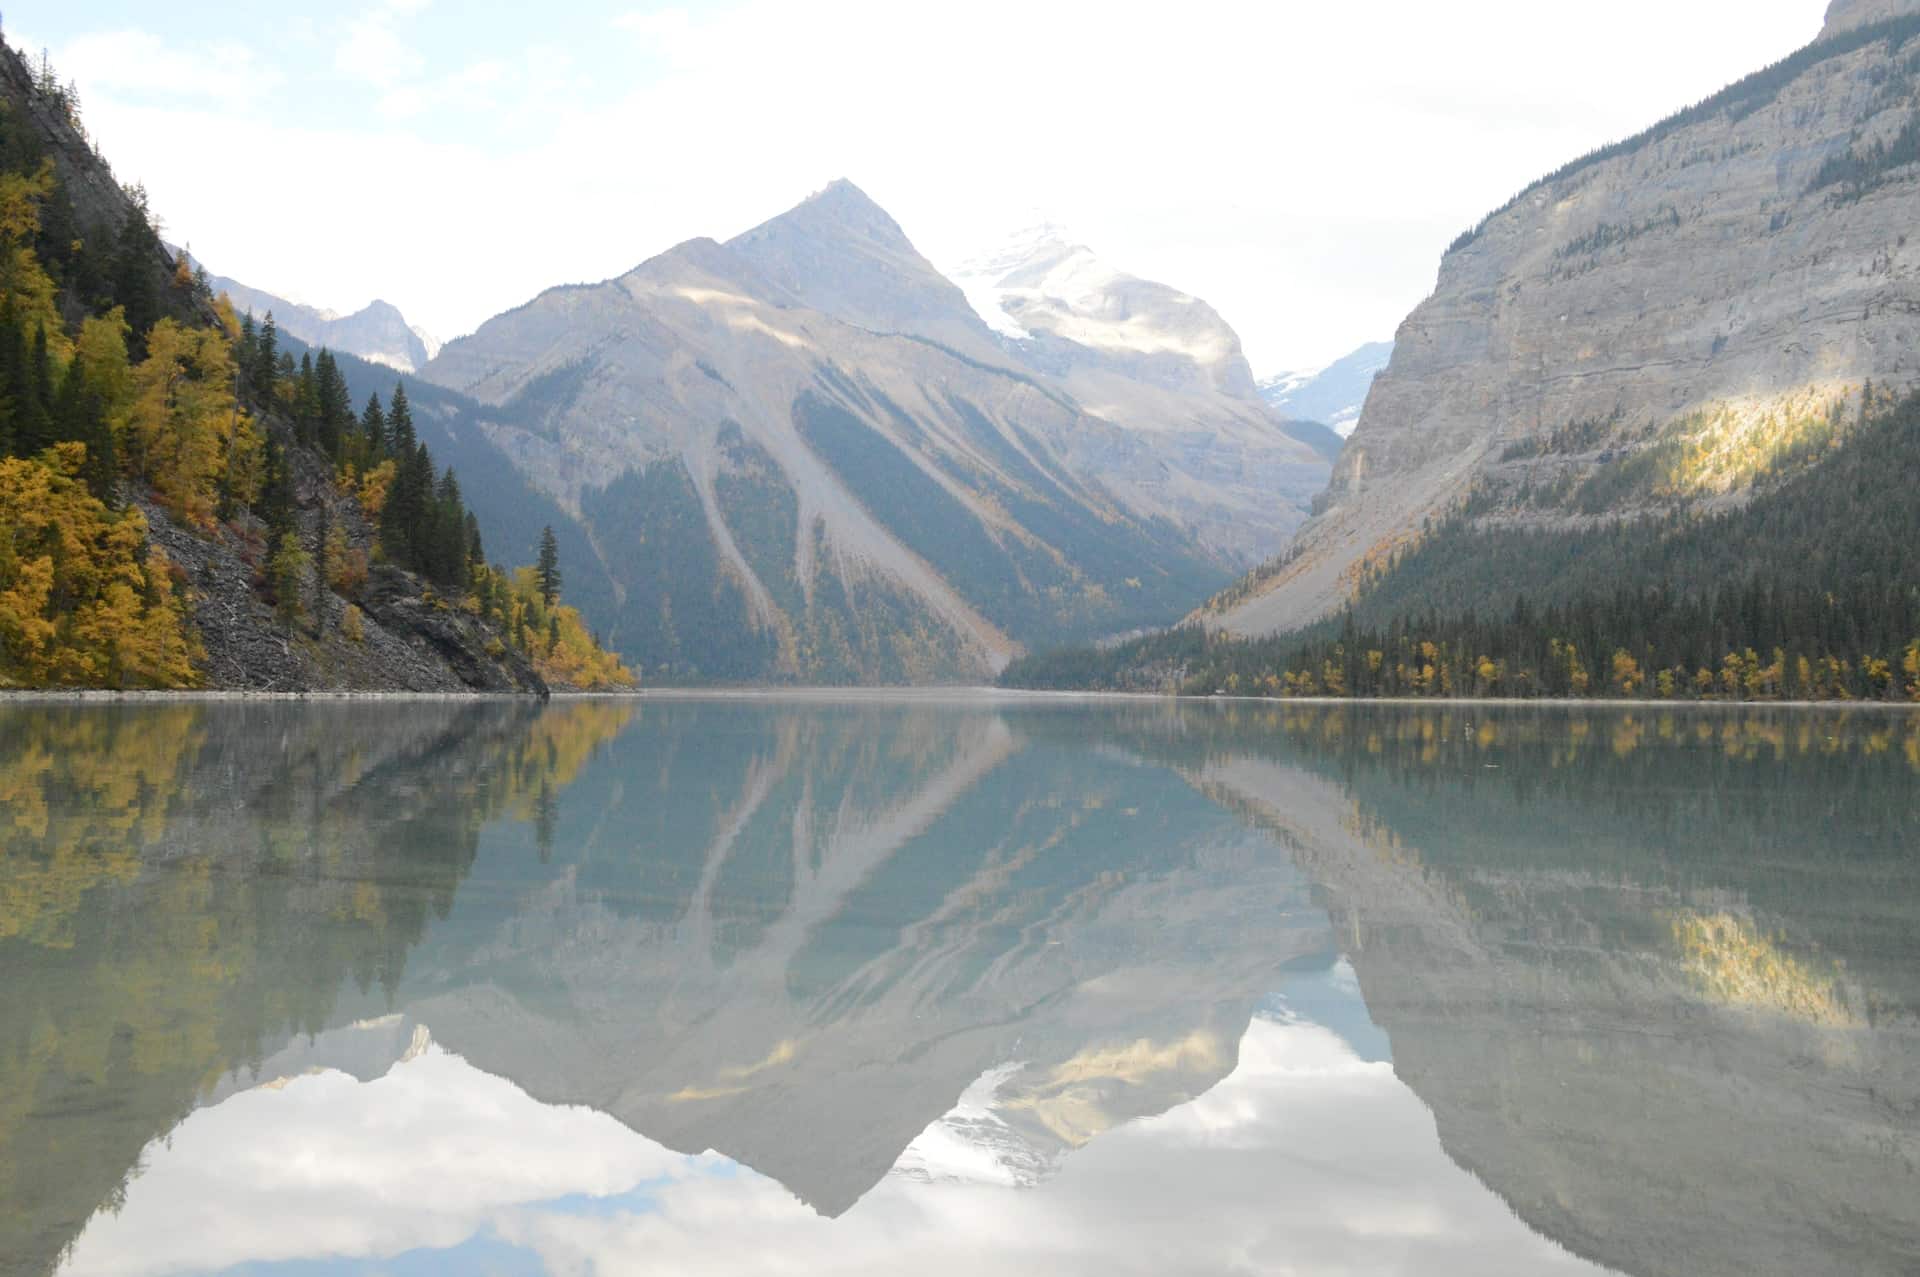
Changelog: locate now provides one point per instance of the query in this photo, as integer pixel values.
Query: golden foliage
(186, 432)
(1732, 962)
(374, 486)
(102, 352)
(556, 640)
(81, 605)
(24, 283)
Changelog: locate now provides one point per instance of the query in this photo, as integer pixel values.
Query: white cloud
(321, 1166)
(1301, 167)
(1305, 1159)
(139, 62)
(373, 48)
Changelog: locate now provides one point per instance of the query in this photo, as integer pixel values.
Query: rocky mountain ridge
(805, 457)
(1705, 288)
(377, 332)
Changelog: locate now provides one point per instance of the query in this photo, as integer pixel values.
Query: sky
(1306, 1158)
(1300, 166)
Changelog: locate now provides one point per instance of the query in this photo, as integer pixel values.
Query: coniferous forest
(1809, 591)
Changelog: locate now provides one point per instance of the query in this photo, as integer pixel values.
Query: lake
(957, 985)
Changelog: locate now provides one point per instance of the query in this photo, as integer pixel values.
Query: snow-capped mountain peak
(1333, 395)
(1041, 280)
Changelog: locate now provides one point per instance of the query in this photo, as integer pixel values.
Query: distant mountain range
(377, 332)
(808, 455)
(1333, 395)
(805, 455)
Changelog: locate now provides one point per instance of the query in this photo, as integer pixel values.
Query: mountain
(1334, 394)
(1662, 1053)
(1199, 447)
(176, 506)
(1653, 331)
(377, 332)
(801, 456)
(821, 954)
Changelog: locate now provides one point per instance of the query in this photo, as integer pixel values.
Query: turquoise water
(957, 986)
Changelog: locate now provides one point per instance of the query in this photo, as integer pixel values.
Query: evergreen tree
(373, 428)
(80, 417)
(266, 356)
(306, 402)
(28, 372)
(547, 572)
(275, 506)
(329, 412)
(400, 422)
(134, 275)
(476, 553)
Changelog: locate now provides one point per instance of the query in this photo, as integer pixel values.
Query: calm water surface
(1010, 987)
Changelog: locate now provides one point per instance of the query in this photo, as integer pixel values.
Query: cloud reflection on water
(1306, 1158)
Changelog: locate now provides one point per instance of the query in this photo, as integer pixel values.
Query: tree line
(1809, 591)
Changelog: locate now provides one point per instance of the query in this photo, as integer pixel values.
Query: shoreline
(958, 695)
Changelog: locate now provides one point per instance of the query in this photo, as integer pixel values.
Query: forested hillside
(184, 504)
(1810, 590)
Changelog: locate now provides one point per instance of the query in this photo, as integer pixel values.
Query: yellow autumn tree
(186, 433)
(24, 282)
(102, 353)
(557, 640)
(83, 601)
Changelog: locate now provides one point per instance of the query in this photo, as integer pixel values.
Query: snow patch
(973, 1144)
(1040, 278)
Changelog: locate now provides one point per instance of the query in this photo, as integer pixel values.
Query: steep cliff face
(1734, 267)
(1845, 15)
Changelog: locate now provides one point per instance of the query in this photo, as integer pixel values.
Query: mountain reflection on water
(972, 985)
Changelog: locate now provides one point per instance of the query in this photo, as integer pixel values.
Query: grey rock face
(409, 640)
(377, 332)
(1844, 15)
(1698, 268)
(805, 438)
(841, 254)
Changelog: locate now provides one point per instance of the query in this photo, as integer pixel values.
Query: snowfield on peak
(1041, 280)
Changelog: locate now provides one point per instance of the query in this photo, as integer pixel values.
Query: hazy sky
(1300, 166)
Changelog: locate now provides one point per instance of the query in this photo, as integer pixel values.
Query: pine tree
(329, 393)
(548, 570)
(306, 401)
(133, 276)
(400, 422)
(476, 552)
(373, 426)
(266, 356)
(27, 391)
